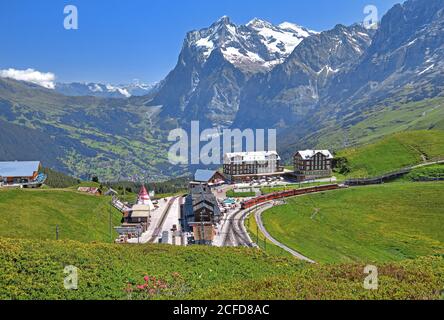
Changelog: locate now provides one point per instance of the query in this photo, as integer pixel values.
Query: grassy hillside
(425, 173)
(59, 180)
(389, 117)
(259, 238)
(34, 214)
(378, 223)
(83, 136)
(33, 270)
(393, 152)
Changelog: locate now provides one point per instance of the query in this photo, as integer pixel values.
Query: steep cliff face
(405, 60)
(215, 64)
(335, 80)
(285, 95)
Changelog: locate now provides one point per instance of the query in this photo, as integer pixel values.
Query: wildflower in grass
(129, 288)
(129, 291)
(153, 286)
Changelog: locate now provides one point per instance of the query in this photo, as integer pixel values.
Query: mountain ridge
(215, 63)
(337, 88)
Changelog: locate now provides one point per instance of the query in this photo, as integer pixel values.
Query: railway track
(236, 233)
(228, 241)
(242, 238)
(159, 226)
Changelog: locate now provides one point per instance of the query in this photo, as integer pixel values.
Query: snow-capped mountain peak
(280, 39)
(257, 46)
(123, 91)
(258, 23)
(224, 20)
(303, 32)
(104, 90)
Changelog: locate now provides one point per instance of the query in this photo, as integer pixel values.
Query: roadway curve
(258, 217)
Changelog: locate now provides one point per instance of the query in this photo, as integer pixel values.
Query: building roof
(140, 211)
(19, 168)
(144, 198)
(308, 154)
(92, 190)
(253, 156)
(204, 175)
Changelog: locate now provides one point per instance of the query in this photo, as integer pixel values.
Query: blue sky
(118, 41)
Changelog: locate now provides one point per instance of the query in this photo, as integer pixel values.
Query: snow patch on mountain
(95, 88)
(104, 90)
(279, 39)
(123, 91)
(256, 46)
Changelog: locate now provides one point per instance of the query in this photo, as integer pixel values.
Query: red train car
(286, 194)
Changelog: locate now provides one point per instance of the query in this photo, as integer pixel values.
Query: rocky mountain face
(334, 81)
(288, 93)
(76, 89)
(216, 62)
(405, 60)
(403, 65)
(318, 89)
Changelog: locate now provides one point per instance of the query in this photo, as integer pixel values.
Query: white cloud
(30, 75)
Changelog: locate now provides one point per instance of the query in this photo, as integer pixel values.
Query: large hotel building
(243, 166)
(312, 164)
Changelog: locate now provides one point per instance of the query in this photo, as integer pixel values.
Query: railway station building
(200, 213)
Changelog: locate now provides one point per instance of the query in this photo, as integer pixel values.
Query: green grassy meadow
(34, 270)
(259, 238)
(34, 214)
(377, 223)
(424, 173)
(393, 152)
(382, 120)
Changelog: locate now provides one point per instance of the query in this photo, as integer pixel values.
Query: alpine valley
(336, 88)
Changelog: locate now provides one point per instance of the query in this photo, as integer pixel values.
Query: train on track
(286, 194)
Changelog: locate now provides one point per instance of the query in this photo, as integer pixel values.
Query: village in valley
(217, 203)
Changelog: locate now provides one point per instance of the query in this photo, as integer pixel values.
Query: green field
(259, 238)
(377, 223)
(393, 152)
(35, 213)
(247, 194)
(424, 173)
(389, 117)
(34, 270)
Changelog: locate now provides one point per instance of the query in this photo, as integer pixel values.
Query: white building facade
(252, 164)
